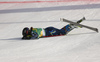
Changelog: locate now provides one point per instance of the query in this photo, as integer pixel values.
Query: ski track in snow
(80, 45)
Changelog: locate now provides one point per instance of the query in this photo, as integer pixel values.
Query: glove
(34, 35)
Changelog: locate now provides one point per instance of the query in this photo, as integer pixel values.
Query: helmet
(25, 31)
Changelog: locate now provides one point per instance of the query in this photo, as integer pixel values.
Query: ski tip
(97, 30)
(84, 18)
(61, 19)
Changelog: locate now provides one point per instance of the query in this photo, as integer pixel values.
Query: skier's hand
(34, 35)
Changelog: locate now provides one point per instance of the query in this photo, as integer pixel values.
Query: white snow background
(80, 45)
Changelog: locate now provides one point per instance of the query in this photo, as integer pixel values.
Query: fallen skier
(36, 33)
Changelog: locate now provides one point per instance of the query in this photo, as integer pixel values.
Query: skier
(36, 33)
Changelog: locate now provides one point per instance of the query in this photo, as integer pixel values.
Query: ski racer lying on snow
(36, 33)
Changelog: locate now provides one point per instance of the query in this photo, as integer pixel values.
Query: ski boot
(81, 20)
(74, 26)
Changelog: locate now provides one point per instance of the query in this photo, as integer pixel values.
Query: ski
(77, 24)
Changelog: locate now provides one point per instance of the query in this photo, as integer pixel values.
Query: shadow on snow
(28, 22)
(42, 21)
(54, 36)
(72, 7)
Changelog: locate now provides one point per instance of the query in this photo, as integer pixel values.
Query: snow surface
(80, 45)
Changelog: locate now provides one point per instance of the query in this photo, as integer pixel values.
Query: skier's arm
(35, 36)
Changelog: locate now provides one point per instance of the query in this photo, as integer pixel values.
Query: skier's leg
(70, 27)
(66, 29)
(50, 31)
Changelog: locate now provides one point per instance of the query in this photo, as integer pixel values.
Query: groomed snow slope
(80, 45)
